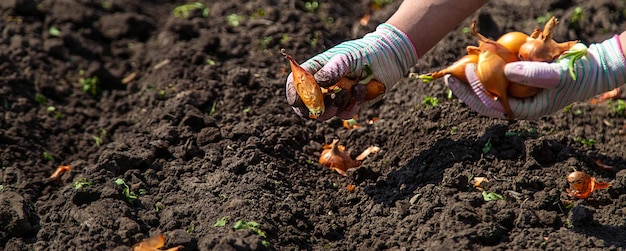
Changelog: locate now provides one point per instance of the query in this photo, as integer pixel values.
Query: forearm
(427, 22)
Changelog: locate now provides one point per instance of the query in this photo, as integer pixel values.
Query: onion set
(313, 95)
(581, 185)
(491, 57)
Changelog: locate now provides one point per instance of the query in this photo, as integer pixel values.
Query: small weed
(260, 12)
(454, 130)
(315, 39)
(544, 19)
(311, 6)
(130, 195)
(221, 222)
(577, 16)
(491, 196)
(191, 229)
(249, 225)
(284, 38)
(587, 142)
(487, 146)
(618, 107)
(159, 206)
(430, 101)
(52, 109)
(81, 183)
(89, 85)
(48, 156)
(185, 10)
(107, 5)
(234, 19)
(53, 31)
(264, 43)
(212, 110)
(210, 61)
(40, 98)
(223, 197)
(97, 138)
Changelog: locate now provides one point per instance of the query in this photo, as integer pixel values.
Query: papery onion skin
(582, 185)
(337, 158)
(490, 71)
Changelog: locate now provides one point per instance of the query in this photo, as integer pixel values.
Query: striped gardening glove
(387, 53)
(603, 68)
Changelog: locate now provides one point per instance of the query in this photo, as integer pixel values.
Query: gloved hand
(388, 52)
(603, 69)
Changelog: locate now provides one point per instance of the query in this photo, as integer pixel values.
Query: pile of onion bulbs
(491, 56)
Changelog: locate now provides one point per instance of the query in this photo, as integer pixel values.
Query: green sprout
(130, 195)
(311, 6)
(487, 146)
(97, 138)
(618, 107)
(249, 225)
(577, 16)
(544, 19)
(315, 39)
(491, 196)
(284, 38)
(221, 222)
(40, 98)
(81, 183)
(260, 12)
(89, 85)
(191, 229)
(430, 101)
(54, 31)
(159, 206)
(213, 106)
(48, 156)
(185, 10)
(264, 42)
(52, 109)
(454, 130)
(587, 142)
(234, 19)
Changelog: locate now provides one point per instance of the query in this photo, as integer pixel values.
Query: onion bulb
(490, 71)
(513, 41)
(541, 47)
(307, 88)
(581, 185)
(336, 157)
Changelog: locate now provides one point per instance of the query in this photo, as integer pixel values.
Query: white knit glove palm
(603, 69)
(387, 51)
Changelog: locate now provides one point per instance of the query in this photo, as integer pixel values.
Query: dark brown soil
(203, 132)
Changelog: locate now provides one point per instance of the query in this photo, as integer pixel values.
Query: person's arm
(427, 22)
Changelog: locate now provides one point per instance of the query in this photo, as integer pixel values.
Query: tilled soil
(188, 111)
